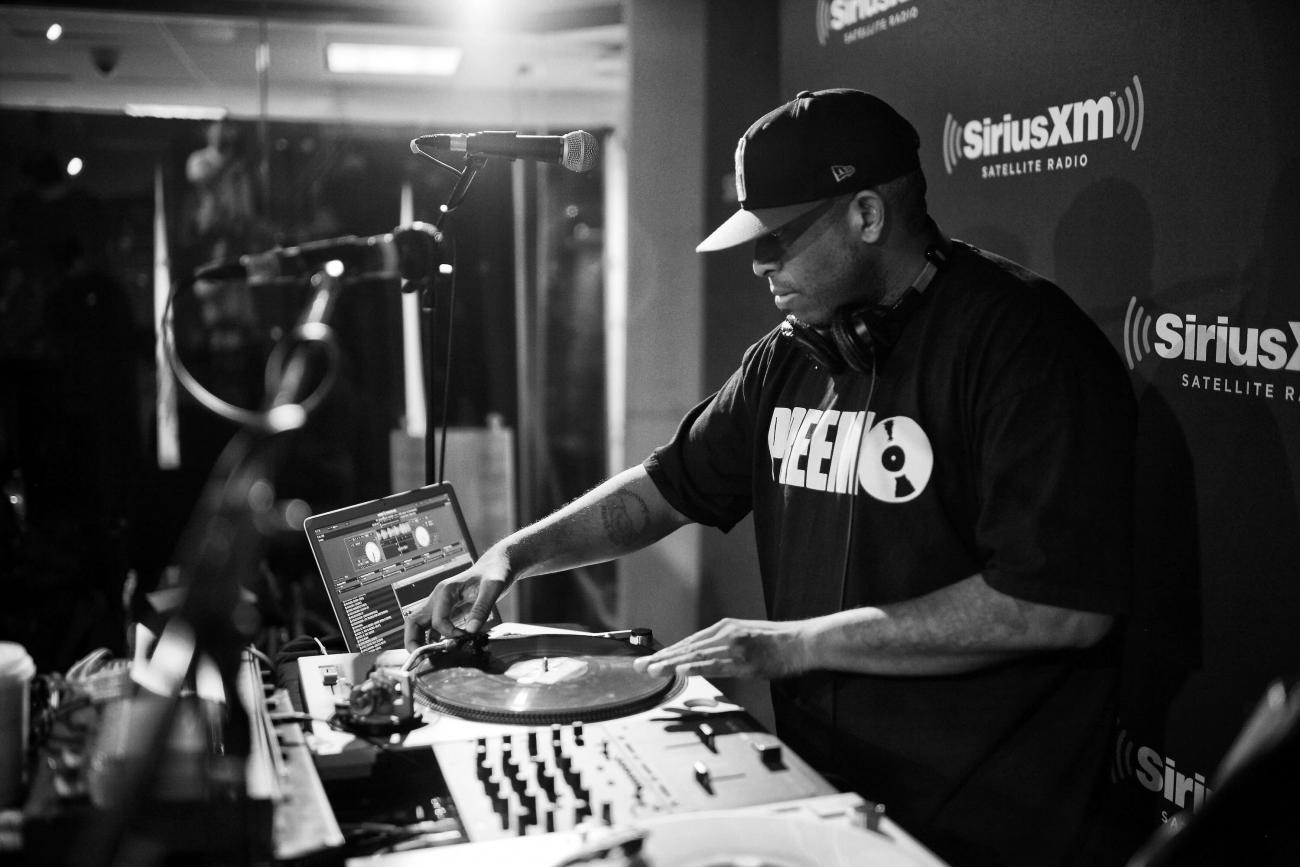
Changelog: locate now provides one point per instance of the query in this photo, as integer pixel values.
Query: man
(936, 447)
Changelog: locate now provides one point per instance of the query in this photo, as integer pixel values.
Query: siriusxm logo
(1219, 342)
(1156, 773)
(1117, 114)
(852, 19)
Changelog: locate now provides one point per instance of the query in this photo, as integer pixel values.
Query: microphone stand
(428, 309)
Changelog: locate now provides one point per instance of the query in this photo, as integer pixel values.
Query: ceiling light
(366, 58)
(75, 165)
(55, 31)
(176, 112)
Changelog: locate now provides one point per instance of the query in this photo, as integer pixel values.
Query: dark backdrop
(1186, 203)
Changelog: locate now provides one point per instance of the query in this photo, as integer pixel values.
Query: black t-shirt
(995, 438)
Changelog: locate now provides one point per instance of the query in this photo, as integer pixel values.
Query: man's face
(818, 263)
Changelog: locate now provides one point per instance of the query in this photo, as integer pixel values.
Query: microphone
(407, 252)
(576, 151)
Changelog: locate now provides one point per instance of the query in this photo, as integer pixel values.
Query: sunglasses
(788, 234)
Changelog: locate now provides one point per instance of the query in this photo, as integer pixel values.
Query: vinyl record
(546, 679)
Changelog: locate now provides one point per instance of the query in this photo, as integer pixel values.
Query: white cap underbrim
(745, 225)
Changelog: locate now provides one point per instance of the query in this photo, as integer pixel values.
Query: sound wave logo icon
(1119, 114)
(1137, 333)
(1122, 768)
(823, 22)
(951, 143)
(1131, 121)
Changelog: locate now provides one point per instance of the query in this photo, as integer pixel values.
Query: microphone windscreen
(580, 149)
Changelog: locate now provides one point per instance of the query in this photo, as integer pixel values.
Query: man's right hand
(621, 515)
(460, 604)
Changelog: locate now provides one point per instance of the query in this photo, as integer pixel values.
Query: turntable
(544, 679)
(521, 676)
(544, 740)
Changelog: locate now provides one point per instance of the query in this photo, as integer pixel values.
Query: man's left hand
(734, 648)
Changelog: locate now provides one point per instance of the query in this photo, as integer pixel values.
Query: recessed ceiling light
(178, 112)
(372, 59)
(55, 31)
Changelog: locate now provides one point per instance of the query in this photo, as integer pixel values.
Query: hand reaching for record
(460, 604)
(735, 648)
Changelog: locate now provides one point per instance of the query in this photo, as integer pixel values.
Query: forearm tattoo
(1017, 620)
(625, 516)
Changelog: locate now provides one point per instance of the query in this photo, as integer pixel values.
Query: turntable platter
(764, 841)
(546, 679)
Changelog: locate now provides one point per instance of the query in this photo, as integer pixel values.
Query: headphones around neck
(859, 337)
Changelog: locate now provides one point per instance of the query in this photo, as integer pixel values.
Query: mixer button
(770, 754)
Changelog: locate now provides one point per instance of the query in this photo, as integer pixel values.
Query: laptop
(381, 559)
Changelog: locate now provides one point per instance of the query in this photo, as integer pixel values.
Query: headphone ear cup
(855, 340)
(860, 338)
(819, 348)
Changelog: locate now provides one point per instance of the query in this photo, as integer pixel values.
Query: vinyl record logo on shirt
(895, 461)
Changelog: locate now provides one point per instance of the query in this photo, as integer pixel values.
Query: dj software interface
(384, 566)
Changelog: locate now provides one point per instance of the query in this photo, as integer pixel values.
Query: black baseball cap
(816, 146)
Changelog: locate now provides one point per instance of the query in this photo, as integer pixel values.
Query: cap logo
(740, 170)
(841, 173)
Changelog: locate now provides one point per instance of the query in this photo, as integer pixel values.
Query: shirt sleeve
(706, 470)
(1056, 464)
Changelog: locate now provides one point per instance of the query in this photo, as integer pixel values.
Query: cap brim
(745, 225)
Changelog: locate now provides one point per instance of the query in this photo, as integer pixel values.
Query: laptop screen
(381, 559)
